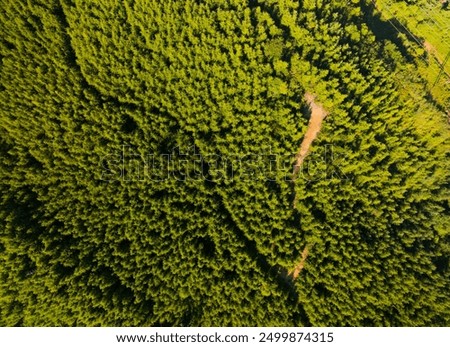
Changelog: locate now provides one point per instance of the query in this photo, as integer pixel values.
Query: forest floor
(318, 114)
(301, 264)
(429, 47)
(432, 51)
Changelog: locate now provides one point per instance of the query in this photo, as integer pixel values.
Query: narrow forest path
(432, 51)
(301, 264)
(318, 114)
(429, 47)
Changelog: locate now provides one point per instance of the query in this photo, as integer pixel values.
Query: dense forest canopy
(107, 219)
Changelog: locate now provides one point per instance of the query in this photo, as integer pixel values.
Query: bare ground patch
(318, 114)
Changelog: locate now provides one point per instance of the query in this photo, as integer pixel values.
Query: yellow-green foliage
(97, 230)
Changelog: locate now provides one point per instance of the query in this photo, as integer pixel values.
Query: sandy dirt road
(318, 114)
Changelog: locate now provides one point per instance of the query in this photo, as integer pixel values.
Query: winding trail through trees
(318, 114)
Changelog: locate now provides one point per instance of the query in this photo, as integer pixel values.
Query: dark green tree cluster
(107, 218)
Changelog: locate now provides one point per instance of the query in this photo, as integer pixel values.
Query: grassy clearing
(426, 27)
(425, 19)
